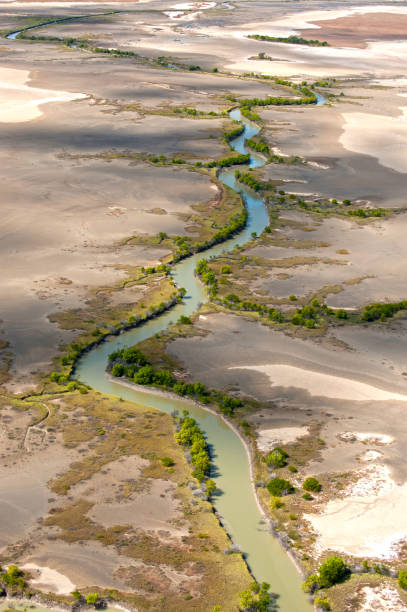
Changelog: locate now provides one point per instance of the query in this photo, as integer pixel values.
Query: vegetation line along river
(237, 504)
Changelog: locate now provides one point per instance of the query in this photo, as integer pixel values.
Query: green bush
(92, 599)
(277, 458)
(332, 571)
(322, 603)
(279, 487)
(311, 583)
(402, 579)
(312, 484)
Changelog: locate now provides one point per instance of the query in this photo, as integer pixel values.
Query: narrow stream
(236, 504)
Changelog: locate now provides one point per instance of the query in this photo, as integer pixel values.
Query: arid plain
(113, 128)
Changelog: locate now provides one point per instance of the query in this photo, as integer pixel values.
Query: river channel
(236, 504)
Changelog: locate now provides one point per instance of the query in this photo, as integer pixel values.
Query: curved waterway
(237, 504)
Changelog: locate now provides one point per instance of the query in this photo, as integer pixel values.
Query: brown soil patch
(358, 30)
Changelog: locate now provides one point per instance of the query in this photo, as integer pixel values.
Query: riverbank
(247, 447)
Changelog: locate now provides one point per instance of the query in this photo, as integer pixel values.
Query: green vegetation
(332, 571)
(277, 458)
(293, 40)
(130, 362)
(365, 213)
(278, 487)
(257, 598)
(167, 461)
(92, 599)
(232, 160)
(258, 145)
(191, 437)
(184, 320)
(235, 133)
(382, 312)
(322, 603)
(402, 579)
(312, 484)
(248, 179)
(13, 579)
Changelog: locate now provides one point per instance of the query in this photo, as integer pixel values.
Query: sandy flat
(378, 135)
(48, 579)
(19, 102)
(356, 525)
(325, 385)
(269, 438)
(381, 598)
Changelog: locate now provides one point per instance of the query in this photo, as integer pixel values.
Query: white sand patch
(371, 455)
(325, 385)
(49, 580)
(378, 135)
(369, 438)
(382, 598)
(269, 438)
(369, 521)
(19, 102)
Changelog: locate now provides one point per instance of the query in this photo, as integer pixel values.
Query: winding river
(236, 504)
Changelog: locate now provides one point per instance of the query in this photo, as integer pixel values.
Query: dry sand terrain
(76, 129)
(357, 397)
(360, 273)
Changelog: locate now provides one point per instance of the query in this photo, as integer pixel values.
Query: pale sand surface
(323, 385)
(381, 599)
(383, 137)
(267, 439)
(371, 438)
(19, 102)
(78, 562)
(24, 490)
(355, 524)
(47, 579)
(152, 509)
(370, 271)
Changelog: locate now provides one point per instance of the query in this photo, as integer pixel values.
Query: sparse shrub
(311, 583)
(167, 461)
